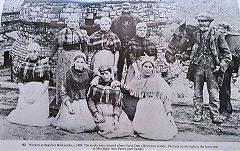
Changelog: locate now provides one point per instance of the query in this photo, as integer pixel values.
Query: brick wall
(150, 12)
(42, 20)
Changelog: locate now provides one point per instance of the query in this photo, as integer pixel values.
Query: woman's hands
(30, 101)
(70, 108)
(115, 84)
(169, 115)
(95, 81)
(116, 121)
(44, 61)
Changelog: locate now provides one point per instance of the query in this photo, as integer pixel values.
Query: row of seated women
(94, 102)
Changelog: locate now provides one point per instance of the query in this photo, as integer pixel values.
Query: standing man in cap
(104, 46)
(125, 27)
(210, 58)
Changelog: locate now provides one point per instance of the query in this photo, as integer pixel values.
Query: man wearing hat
(125, 27)
(104, 46)
(210, 58)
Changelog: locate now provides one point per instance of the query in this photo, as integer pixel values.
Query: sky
(238, 5)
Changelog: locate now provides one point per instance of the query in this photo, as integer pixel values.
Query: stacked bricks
(52, 17)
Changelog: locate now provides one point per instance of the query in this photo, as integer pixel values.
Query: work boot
(197, 118)
(198, 114)
(217, 120)
(225, 115)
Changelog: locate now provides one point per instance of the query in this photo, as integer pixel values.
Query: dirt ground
(203, 131)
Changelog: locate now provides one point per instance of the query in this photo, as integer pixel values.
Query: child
(105, 103)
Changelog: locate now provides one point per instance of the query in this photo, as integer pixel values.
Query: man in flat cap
(125, 27)
(210, 58)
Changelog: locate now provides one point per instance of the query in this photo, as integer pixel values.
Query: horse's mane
(191, 28)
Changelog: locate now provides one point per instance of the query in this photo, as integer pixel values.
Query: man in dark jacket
(124, 27)
(210, 58)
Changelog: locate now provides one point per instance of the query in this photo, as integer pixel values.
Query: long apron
(102, 57)
(65, 61)
(35, 113)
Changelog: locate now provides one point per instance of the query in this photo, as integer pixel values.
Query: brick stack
(154, 13)
(52, 16)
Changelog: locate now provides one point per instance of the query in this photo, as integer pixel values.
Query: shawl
(105, 94)
(70, 39)
(77, 83)
(139, 47)
(30, 71)
(104, 40)
(71, 36)
(152, 87)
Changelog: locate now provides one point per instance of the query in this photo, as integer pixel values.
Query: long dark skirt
(129, 105)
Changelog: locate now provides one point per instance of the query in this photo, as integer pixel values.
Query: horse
(180, 46)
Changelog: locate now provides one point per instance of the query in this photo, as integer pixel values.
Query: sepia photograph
(120, 74)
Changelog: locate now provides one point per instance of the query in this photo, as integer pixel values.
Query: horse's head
(180, 41)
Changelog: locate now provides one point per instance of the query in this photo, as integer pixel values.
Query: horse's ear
(182, 27)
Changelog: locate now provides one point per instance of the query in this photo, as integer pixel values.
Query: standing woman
(104, 46)
(71, 39)
(153, 118)
(105, 103)
(139, 46)
(74, 115)
(33, 102)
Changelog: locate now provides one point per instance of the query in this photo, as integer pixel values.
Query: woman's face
(106, 76)
(79, 64)
(141, 32)
(105, 26)
(33, 54)
(147, 69)
(73, 23)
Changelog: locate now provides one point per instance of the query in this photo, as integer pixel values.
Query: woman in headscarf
(153, 118)
(139, 46)
(71, 39)
(33, 102)
(105, 103)
(104, 46)
(74, 115)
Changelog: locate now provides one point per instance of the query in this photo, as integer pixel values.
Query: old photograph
(120, 70)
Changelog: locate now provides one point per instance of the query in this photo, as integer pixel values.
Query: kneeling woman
(153, 118)
(33, 102)
(74, 115)
(105, 103)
